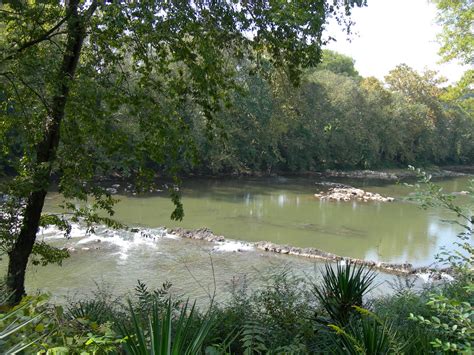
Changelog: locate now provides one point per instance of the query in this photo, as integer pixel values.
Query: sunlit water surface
(281, 210)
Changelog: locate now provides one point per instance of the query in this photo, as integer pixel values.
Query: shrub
(342, 289)
(367, 335)
(451, 306)
(20, 326)
(157, 337)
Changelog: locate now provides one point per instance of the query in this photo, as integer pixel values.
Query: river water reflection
(284, 211)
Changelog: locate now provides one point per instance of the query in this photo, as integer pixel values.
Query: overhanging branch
(45, 36)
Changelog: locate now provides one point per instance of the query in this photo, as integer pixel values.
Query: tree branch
(48, 34)
(37, 94)
(17, 93)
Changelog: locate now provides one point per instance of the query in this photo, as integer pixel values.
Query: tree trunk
(45, 155)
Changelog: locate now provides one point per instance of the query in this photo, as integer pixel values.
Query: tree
(457, 38)
(422, 92)
(459, 100)
(338, 63)
(77, 74)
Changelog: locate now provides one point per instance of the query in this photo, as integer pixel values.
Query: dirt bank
(393, 174)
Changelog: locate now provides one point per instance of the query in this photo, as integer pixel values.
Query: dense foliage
(282, 317)
(333, 119)
(336, 119)
(457, 38)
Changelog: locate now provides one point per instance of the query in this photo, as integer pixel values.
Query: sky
(391, 32)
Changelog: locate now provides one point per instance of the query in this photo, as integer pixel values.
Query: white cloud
(391, 32)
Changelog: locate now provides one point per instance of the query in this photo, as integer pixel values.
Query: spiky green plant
(158, 337)
(11, 323)
(368, 335)
(89, 309)
(342, 288)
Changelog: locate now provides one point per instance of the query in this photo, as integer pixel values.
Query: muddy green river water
(281, 210)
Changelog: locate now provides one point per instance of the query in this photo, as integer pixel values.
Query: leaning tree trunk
(45, 155)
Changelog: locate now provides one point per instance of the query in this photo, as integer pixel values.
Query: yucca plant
(159, 338)
(342, 288)
(90, 309)
(368, 335)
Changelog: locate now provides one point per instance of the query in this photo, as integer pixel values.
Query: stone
(111, 190)
(351, 193)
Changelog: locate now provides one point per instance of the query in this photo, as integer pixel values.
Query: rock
(351, 193)
(134, 230)
(332, 184)
(429, 275)
(146, 235)
(199, 234)
(362, 174)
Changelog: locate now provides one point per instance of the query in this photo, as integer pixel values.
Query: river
(282, 210)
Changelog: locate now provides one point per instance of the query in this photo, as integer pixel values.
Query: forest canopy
(338, 119)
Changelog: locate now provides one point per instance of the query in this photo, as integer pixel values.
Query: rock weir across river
(206, 234)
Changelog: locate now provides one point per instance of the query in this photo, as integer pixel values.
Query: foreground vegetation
(290, 315)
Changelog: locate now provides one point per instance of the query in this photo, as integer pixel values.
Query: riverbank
(398, 174)
(388, 174)
(118, 183)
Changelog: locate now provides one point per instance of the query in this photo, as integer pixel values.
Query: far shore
(388, 175)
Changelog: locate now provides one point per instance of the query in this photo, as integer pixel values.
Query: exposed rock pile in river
(351, 193)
